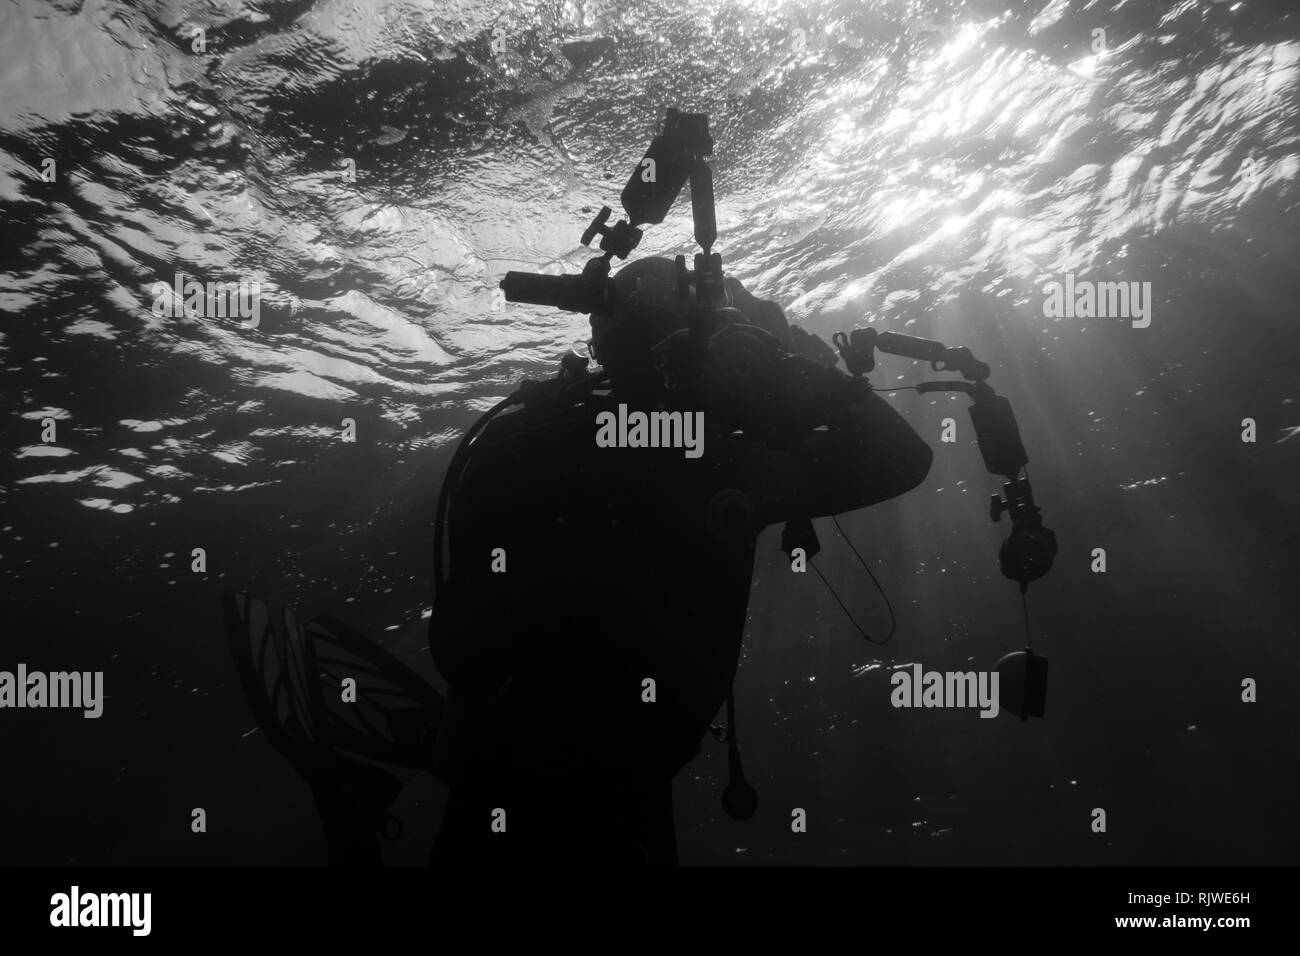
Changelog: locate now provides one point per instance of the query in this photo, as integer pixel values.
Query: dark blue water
(377, 168)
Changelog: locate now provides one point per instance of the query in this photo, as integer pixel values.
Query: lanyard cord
(893, 619)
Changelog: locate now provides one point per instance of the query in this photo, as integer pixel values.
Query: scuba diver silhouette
(627, 564)
(591, 582)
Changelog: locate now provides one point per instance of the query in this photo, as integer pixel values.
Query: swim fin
(396, 714)
(293, 677)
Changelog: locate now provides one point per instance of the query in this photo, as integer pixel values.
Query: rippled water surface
(930, 168)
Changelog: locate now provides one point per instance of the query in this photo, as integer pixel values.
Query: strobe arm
(1028, 551)
(858, 351)
(667, 165)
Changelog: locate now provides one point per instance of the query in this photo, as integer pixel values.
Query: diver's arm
(865, 454)
(817, 442)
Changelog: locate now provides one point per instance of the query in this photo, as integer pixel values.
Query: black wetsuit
(621, 566)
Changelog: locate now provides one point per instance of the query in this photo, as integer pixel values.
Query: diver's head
(649, 310)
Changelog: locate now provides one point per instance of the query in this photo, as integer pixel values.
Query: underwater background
(923, 167)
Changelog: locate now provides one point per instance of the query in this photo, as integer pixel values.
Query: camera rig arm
(674, 157)
(1027, 553)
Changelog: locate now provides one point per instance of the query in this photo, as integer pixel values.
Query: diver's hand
(750, 382)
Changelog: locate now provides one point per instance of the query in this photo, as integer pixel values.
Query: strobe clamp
(616, 240)
(1018, 503)
(1028, 551)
